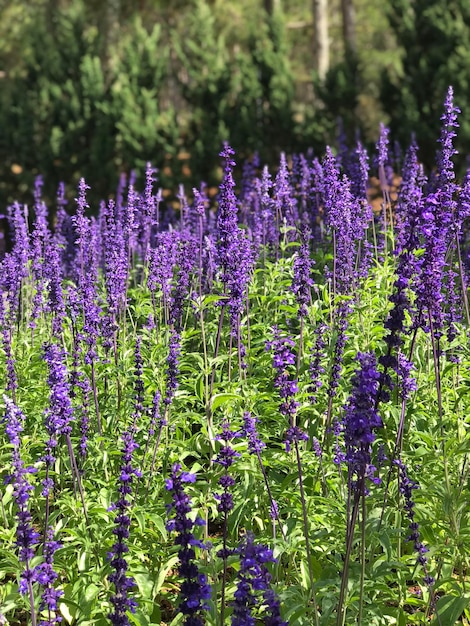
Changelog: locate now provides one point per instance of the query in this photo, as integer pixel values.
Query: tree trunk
(271, 6)
(321, 43)
(349, 26)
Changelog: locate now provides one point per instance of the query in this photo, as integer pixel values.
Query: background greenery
(98, 87)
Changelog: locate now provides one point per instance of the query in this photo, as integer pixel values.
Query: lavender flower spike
(407, 485)
(195, 591)
(361, 420)
(123, 583)
(46, 576)
(26, 536)
(252, 577)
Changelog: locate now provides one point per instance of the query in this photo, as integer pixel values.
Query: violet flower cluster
(437, 227)
(122, 582)
(302, 280)
(234, 253)
(26, 537)
(340, 208)
(55, 300)
(227, 222)
(195, 590)
(315, 367)
(342, 323)
(59, 414)
(226, 457)
(116, 260)
(253, 578)
(283, 358)
(185, 260)
(285, 203)
(407, 486)
(86, 274)
(46, 576)
(172, 369)
(361, 420)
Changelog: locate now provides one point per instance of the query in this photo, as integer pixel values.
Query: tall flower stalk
(225, 457)
(359, 424)
(120, 599)
(283, 358)
(26, 537)
(195, 590)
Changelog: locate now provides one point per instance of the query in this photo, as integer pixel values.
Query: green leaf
(449, 609)
(222, 398)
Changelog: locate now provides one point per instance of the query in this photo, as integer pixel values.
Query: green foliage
(392, 592)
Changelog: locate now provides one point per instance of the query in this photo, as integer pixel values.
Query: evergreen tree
(435, 38)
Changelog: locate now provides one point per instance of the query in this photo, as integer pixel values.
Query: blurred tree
(349, 26)
(270, 6)
(92, 87)
(321, 44)
(435, 38)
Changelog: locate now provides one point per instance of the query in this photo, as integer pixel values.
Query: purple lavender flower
(342, 213)
(293, 434)
(302, 281)
(26, 537)
(7, 332)
(234, 253)
(342, 323)
(186, 257)
(407, 384)
(86, 274)
(194, 591)
(184, 207)
(226, 457)
(445, 164)
(283, 357)
(155, 417)
(15, 264)
(315, 367)
(268, 234)
(409, 205)
(116, 260)
(172, 369)
(361, 420)
(138, 383)
(59, 414)
(149, 218)
(358, 173)
(317, 447)
(285, 204)
(238, 276)
(64, 235)
(162, 260)
(122, 582)
(198, 219)
(407, 486)
(227, 227)
(437, 227)
(255, 444)
(46, 576)
(382, 154)
(40, 240)
(130, 224)
(55, 302)
(252, 578)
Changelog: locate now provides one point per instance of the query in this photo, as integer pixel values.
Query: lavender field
(248, 409)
